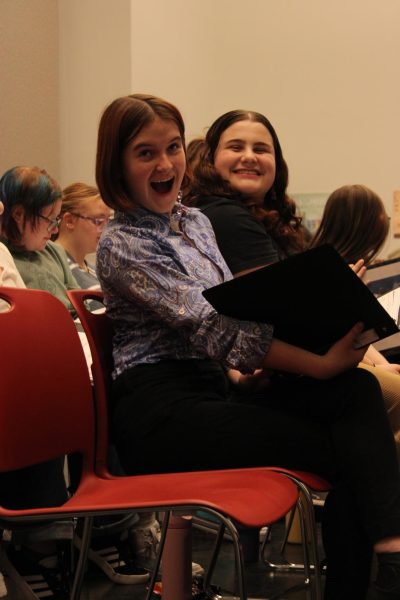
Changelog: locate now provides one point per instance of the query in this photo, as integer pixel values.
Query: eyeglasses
(97, 221)
(52, 223)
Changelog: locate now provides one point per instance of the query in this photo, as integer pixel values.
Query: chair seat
(252, 497)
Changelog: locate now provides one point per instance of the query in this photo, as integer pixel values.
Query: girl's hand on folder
(342, 355)
(292, 359)
(359, 268)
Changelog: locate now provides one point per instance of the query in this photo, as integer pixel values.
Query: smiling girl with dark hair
(240, 183)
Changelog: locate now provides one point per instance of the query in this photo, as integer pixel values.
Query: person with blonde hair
(84, 216)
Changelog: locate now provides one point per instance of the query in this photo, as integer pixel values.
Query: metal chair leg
(310, 543)
(226, 525)
(83, 554)
(287, 529)
(153, 579)
(219, 538)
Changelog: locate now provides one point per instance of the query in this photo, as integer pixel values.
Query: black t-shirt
(242, 239)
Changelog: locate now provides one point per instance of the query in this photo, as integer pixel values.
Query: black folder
(312, 299)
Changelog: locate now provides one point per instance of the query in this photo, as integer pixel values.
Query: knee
(360, 388)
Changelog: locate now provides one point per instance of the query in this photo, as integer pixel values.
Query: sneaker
(35, 575)
(114, 557)
(145, 543)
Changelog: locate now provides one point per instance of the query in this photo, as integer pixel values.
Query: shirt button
(181, 311)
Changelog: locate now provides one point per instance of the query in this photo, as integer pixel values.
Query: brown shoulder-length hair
(278, 213)
(355, 222)
(120, 123)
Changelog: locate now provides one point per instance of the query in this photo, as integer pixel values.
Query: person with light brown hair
(354, 222)
(193, 152)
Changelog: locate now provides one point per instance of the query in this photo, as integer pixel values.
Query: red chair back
(99, 332)
(43, 372)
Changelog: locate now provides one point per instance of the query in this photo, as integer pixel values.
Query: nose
(164, 163)
(248, 154)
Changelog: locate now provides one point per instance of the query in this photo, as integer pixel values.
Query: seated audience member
(32, 555)
(354, 222)
(32, 204)
(83, 218)
(193, 152)
(240, 184)
(172, 349)
(9, 274)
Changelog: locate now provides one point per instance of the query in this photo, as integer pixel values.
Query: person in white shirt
(9, 274)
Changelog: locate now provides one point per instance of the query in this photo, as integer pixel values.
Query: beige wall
(95, 59)
(29, 132)
(325, 73)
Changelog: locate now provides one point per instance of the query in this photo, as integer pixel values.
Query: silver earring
(179, 204)
(177, 213)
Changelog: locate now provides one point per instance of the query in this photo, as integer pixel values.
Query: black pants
(34, 487)
(178, 416)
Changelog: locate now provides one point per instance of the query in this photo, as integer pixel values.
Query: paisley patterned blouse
(153, 277)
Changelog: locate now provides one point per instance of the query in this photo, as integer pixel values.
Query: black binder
(312, 299)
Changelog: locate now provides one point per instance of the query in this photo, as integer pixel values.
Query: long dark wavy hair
(278, 213)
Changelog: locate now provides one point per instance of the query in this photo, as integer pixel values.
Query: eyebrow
(150, 144)
(240, 141)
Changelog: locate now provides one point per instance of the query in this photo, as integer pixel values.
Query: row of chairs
(48, 409)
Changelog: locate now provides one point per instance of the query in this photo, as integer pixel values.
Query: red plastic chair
(46, 411)
(99, 331)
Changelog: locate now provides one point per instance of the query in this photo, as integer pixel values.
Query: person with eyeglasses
(32, 206)
(83, 217)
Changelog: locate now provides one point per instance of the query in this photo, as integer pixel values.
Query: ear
(18, 214)
(69, 219)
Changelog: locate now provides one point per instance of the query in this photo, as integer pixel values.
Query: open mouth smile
(164, 186)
